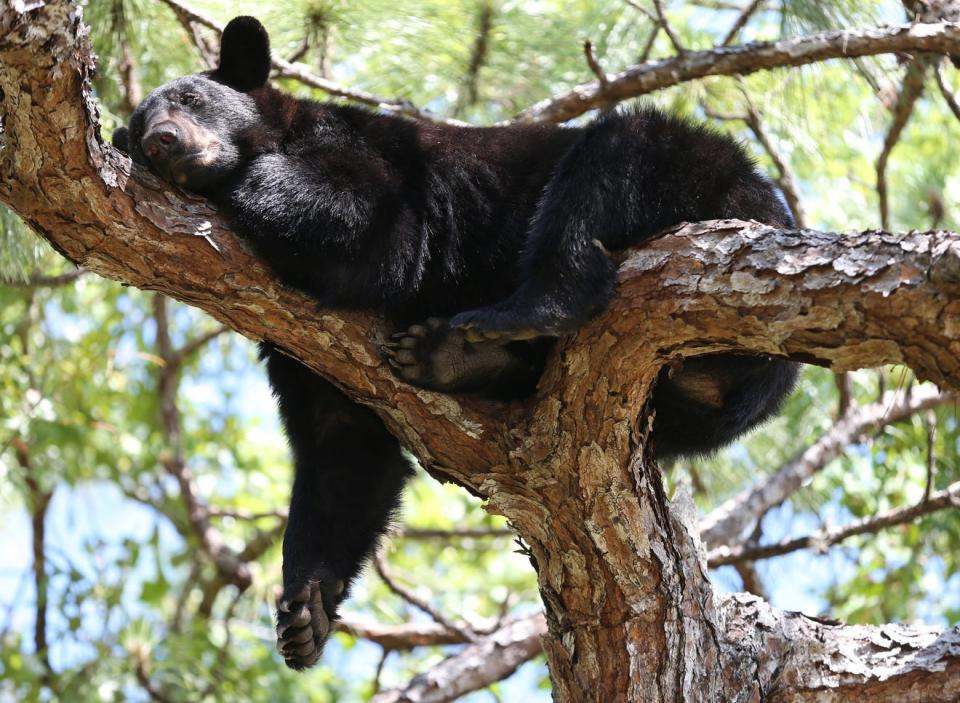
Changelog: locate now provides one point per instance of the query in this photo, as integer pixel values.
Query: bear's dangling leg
(349, 475)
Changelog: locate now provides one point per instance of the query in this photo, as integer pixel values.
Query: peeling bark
(629, 609)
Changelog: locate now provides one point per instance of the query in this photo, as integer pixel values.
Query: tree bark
(630, 611)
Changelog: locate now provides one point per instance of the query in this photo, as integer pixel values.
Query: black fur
(498, 235)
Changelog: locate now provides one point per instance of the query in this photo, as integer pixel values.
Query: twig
(648, 46)
(643, 10)
(379, 671)
(192, 346)
(40, 281)
(478, 57)
(405, 636)
(844, 386)
(741, 22)
(422, 533)
(384, 571)
(742, 60)
(143, 678)
(754, 121)
(822, 539)
(485, 662)
(39, 504)
(224, 649)
(910, 92)
(662, 19)
(931, 453)
(228, 563)
(594, 64)
(726, 522)
(945, 91)
(289, 70)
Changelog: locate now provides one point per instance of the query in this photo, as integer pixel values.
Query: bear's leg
(349, 475)
(589, 206)
(432, 355)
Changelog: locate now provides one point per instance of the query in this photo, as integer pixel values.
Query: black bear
(482, 244)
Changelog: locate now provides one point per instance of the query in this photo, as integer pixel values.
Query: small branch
(228, 563)
(729, 520)
(192, 346)
(491, 659)
(224, 649)
(646, 78)
(400, 637)
(823, 539)
(289, 70)
(785, 178)
(478, 57)
(910, 92)
(945, 91)
(648, 46)
(741, 22)
(462, 629)
(37, 280)
(143, 678)
(662, 19)
(593, 63)
(931, 422)
(207, 50)
(636, 5)
(39, 504)
(426, 533)
(844, 386)
(280, 514)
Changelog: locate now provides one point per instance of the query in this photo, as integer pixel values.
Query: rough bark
(630, 611)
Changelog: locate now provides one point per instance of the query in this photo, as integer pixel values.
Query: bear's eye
(189, 99)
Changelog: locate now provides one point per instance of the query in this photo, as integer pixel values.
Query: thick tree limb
(806, 660)
(630, 612)
(943, 38)
(725, 524)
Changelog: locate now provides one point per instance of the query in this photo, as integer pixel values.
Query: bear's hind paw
(303, 624)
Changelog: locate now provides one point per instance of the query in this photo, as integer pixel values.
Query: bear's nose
(164, 138)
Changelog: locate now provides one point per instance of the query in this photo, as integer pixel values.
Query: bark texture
(629, 610)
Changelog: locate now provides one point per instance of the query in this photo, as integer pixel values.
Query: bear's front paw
(305, 615)
(509, 325)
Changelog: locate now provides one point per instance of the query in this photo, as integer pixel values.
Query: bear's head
(187, 130)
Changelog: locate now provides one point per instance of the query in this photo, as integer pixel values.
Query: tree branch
(803, 659)
(742, 60)
(741, 21)
(823, 539)
(727, 522)
(301, 74)
(41, 281)
(400, 637)
(945, 91)
(491, 659)
(662, 19)
(910, 92)
(461, 628)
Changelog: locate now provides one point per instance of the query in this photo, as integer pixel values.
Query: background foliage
(134, 608)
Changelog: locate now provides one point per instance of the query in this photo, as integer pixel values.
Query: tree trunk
(630, 611)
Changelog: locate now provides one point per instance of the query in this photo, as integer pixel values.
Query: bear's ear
(244, 54)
